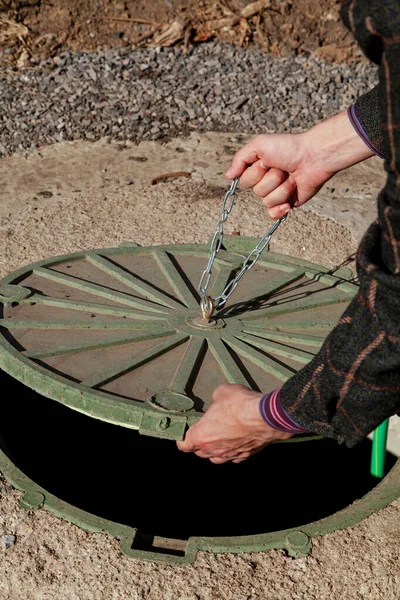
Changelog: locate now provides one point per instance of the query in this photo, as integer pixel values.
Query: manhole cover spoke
(186, 294)
(277, 349)
(188, 367)
(139, 285)
(284, 336)
(92, 307)
(65, 324)
(106, 375)
(96, 345)
(224, 274)
(261, 359)
(99, 290)
(294, 303)
(230, 368)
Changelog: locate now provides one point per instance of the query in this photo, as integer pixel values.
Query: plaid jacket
(353, 383)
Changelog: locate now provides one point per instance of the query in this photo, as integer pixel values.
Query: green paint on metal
(291, 338)
(32, 500)
(150, 314)
(98, 290)
(13, 293)
(187, 368)
(106, 375)
(289, 539)
(155, 424)
(85, 346)
(278, 285)
(262, 360)
(271, 288)
(130, 281)
(298, 544)
(68, 324)
(91, 307)
(225, 273)
(277, 348)
(171, 402)
(226, 363)
(284, 306)
(171, 274)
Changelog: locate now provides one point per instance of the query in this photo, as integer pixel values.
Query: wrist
(335, 145)
(258, 425)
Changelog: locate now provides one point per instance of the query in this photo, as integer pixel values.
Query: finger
(203, 454)
(219, 461)
(188, 444)
(271, 180)
(238, 460)
(243, 158)
(279, 211)
(252, 175)
(280, 194)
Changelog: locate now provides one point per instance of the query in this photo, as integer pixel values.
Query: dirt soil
(31, 30)
(78, 195)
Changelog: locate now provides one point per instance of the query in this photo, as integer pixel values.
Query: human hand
(232, 429)
(288, 169)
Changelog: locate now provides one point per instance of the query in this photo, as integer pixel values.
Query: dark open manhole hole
(112, 334)
(146, 483)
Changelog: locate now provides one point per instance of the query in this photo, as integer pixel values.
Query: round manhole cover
(114, 333)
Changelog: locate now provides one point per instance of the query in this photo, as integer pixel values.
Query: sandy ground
(80, 195)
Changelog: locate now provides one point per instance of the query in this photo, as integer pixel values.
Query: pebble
(159, 93)
(7, 541)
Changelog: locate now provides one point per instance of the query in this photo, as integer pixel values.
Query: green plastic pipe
(378, 455)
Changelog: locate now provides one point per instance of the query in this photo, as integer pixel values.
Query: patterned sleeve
(353, 383)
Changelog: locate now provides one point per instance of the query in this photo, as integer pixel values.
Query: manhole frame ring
(379, 497)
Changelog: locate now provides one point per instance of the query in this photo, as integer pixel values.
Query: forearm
(335, 144)
(353, 383)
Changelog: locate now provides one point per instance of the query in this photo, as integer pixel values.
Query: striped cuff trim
(351, 113)
(275, 416)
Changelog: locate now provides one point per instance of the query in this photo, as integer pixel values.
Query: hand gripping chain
(207, 303)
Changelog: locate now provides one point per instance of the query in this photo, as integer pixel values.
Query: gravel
(155, 94)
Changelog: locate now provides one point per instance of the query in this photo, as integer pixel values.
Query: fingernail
(285, 210)
(291, 179)
(262, 165)
(228, 174)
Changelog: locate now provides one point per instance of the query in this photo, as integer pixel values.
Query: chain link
(206, 302)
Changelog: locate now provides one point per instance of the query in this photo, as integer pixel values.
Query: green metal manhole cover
(112, 333)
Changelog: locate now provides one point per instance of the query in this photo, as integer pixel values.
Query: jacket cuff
(275, 416)
(355, 121)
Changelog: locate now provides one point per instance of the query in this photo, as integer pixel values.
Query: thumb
(187, 444)
(243, 158)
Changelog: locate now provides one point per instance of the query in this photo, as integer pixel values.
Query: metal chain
(206, 302)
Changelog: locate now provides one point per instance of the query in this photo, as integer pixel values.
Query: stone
(7, 541)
